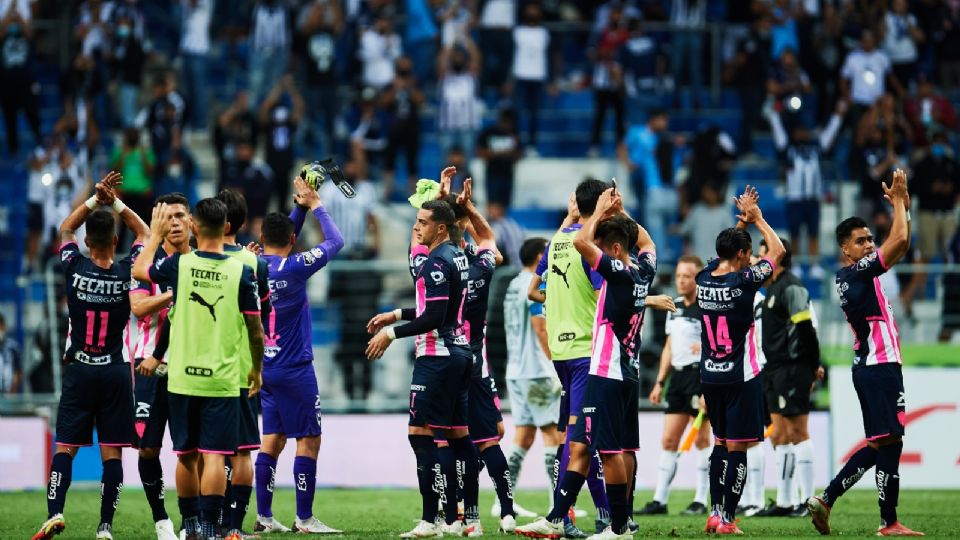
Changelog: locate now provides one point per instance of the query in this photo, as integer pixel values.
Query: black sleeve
(805, 343)
(163, 340)
(408, 314)
(430, 319)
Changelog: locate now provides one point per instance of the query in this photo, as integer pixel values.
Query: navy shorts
(152, 409)
(248, 434)
(573, 383)
(803, 214)
(787, 389)
(291, 403)
(683, 391)
(882, 401)
(603, 415)
(736, 410)
(484, 410)
(96, 396)
(208, 424)
(439, 389)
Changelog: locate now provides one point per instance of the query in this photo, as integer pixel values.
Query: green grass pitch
(386, 513)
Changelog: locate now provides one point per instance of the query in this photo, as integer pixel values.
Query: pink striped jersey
(619, 318)
(876, 339)
(441, 274)
(144, 339)
(728, 352)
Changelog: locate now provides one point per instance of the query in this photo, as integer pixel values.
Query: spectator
(712, 159)
(194, 49)
(254, 180)
(320, 25)
(788, 80)
(459, 114)
(607, 80)
(628, 11)
(402, 101)
(455, 18)
(927, 112)
(497, 19)
(136, 162)
(827, 45)
(128, 58)
(280, 114)
(457, 158)
(11, 365)
(368, 139)
(163, 123)
(69, 187)
(270, 42)
(877, 160)
(901, 35)
(688, 17)
(642, 152)
(178, 174)
(23, 8)
(18, 91)
(864, 76)
(234, 126)
(951, 294)
(800, 154)
(499, 147)
(948, 46)
(38, 190)
(642, 62)
(707, 216)
(510, 235)
(748, 72)
(356, 218)
(886, 115)
(421, 39)
(379, 49)
(783, 32)
(531, 69)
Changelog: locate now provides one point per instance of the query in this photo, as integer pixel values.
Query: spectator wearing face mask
(459, 114)
(280, 114)
(128, 58)
(17, 89)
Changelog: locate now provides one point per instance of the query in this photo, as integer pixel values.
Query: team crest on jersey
(308, 258)
(864, 263)
(438, 277)
(617, 265)
(736, 293)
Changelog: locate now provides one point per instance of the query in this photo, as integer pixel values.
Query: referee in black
(792, 350)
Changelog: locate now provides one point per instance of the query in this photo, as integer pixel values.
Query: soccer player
(728, 362)
(532, 383)
(216, 315)
(792, 351)
(877, 377)
(290, 396)
(239, 467)
(680, 360)
(572, 289)
(607, 421)
(443, 366)
(97, 388)
(150, 303)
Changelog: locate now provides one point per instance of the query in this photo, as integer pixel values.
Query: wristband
(391, 333)
(118, 206)
(908, 216)
(91, 203)
(398, 314)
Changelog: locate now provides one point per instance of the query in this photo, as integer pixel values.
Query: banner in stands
(931, 446)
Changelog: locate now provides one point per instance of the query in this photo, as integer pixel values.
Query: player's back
(482, 263)
(868, 311)
(726, 304)
(288, 329)
(444, 275)
(525, 358)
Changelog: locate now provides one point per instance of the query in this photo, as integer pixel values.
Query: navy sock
(305, 473)
(888, 481)
(151, 475)
(227, 509)
(466, 453)
(61, 470)
(598, 491)
(210, 508)
(567, 492)
(499, 472)
(189, 514)
(449, 479)
(265, 471)
(425, 451)
(110, 487)
(632, 481)
(734, 478)
(859, 463)
(619, 510)
(718, 464)
(239, 505)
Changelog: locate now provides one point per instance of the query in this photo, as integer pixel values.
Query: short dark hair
(530, 248)
(692, 259)
(787, 260)
(101, 228)
(846, 228)
(731, 241)
(587, 194)
(174, 198)
(655, 112)
(210, 215)
(459, 212)
(276, 229)
(441, 212)
(619, 229)
(236, 208)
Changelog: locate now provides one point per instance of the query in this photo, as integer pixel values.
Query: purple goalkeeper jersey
(288, 330)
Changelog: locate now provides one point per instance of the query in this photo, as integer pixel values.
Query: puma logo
(562, 273)
(195, 297)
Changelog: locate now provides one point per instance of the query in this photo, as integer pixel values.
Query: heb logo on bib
(198, 371)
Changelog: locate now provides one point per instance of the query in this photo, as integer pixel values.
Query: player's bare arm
(481, 230)
(665, 368)
(750, 213)
(583, 241)
(660, 302)
(534, 292)
(540, 329)
(143, 303)
(68, 229)
(255, 338)
(159, 228)
(898, 242)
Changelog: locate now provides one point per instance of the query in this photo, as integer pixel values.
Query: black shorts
(152, 409)
(35, 217)
(787, 389)
(207, 424)
(96, 396)
(602, 416)
(483, 413)
(683, 391)
(439, 389)
(631, 420)
(803, 214)
(736, 410)
(248, 436)
(882, 402)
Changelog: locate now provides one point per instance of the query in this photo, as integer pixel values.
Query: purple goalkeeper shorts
(573, 381)
(290, 402)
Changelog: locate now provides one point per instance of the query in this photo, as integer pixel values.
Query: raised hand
(573, 211)
(465, 197)
(897, 191)
(160, 220)
(305, 195)
(605, 202)
(254, 248)
(747, 204)
(105, 195)
(446, 179)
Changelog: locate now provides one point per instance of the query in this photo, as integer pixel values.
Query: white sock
(785, 466)
(665, 474)
(754, 492)
(804, 474)
(549, 456)
(703, 475)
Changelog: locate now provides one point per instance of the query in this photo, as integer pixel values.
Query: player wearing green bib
(216, 316)
(570, 303)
